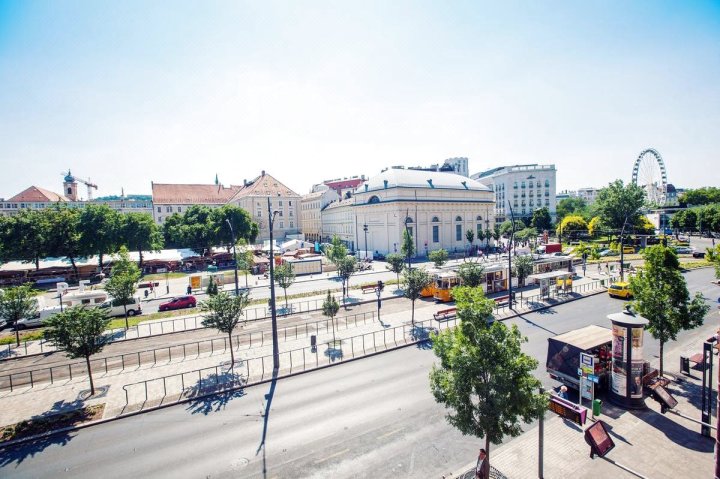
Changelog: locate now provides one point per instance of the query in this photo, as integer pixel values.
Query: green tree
(414, 281)
(24, 237)
(700, 196)
(594, 226)
(713, 255)
(472, 305)
(570, 206)
(471, 274)
(17, 303)
(140, 233)
(64, 237)
(337, 251)
(522, 268)
(99, 228)
(506, 227)
(346, 268)
(224, 312)
(212, 287)
(285, 277)
(661, 296)
(245, 258)
(485, 378)
(330, 308)
(495, 233)
(243, 225)
(439, 257)
(541, 219)
(396, 264)
(618, 203)
(199, 229)
(79, 332)
(571, 226)
(407, 248)
(470, 237)
(122, 284)
(643, 226)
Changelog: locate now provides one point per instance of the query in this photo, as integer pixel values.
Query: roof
(404, 178)
(265, 185)
(192, 194)
(342, 184)
(586, 338)
(37, 195)
(340, 203)
(550, 275)
(492, 171)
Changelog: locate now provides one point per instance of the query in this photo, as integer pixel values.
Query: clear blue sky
(130, 92)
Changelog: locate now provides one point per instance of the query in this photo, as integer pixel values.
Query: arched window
(479, 218)
(408, 221)
(374, 199)
(435, 219)
(458, 218)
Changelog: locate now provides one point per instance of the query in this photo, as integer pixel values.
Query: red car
(178, 303)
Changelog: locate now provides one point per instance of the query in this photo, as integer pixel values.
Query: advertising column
(626, 387)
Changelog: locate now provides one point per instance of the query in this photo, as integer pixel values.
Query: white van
(115, 307)
(38, 319)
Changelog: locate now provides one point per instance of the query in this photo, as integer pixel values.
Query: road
(369, 418)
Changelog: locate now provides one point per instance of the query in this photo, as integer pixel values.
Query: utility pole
(622, 249)
(512, 235)
(365, 229)
(276, 351)
(232, 235)
(541, 439)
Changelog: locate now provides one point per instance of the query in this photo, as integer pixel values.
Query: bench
(444, 314)
(368, 289)
(501, 300)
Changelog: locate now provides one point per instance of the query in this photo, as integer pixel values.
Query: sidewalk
(646, 441)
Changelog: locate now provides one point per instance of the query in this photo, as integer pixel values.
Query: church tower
(70, 187)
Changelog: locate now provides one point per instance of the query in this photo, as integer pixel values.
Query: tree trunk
(141, 258)
(100, 261)
(332, 321)
(487, 451)
(412, 318)
(286, 304)
(661, 358)
(37, 262)
(232, 353)
(17, 335)
(92, 385)
(74, 267)
(127, 326)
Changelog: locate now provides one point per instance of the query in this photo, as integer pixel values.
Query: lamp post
(365, 229)
(512, 234)
(622, 249)
(232, 235)
(276, 351)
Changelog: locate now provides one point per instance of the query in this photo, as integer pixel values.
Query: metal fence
(537, 300)
(204, 381)
(176, 352)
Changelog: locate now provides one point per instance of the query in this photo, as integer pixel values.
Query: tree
(64, 237)
(24, 237)
(661, 296)
(522, 268)
(140, 233)
(472, 306)
(484, 377)
(507, 226)
(571, 225)
(243, 225)
(414, 281)
(570, 206)
(700, 196)
(618, 203)
(285, 277)
(99, 227)
(212, 287)
(337, 251)
(470, 237)
(439, 257)
(407, 248)
(79, 332)
(123, 280)
(224, 312)
(17, 303)
(593, 226)
(395, 263)
(541, 219)
(330, 308)
(471, 274)
(526, 234)
(713, 255)
(346, 268)
(244, 257)
(643, 226)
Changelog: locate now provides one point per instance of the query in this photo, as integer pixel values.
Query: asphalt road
(369, 418)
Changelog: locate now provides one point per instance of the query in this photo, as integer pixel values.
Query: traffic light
(380, 286)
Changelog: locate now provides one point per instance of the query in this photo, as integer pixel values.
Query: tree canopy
(618, 203)
(17, 303)
(541, 219)
(123, 280)
(414, 281)
(396, 264)
(224, 313)
(571, 226)
(700, 196)
(571, 206)
(439, 257)
(471, 274)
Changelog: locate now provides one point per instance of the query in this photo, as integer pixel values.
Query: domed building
(436, 207)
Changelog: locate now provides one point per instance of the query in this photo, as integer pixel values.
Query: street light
(622, 248)
(232, 235)
(276, 351)
(365, 229)
(510, 244)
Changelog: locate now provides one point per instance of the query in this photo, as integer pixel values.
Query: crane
(90, 185)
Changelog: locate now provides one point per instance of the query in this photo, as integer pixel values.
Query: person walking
(482, 469)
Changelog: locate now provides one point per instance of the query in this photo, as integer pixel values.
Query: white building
(525, 187)
(436, 207)
(460, 165)
(311, 206)
(338, 219)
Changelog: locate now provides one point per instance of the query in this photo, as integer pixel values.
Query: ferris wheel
(649, 174)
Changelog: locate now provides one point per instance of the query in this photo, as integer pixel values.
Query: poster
(637, 343)
(619, 381)
(618, 378)
(619, 349)
(636, 374)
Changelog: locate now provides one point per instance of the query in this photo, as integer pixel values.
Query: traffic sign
(593, 378)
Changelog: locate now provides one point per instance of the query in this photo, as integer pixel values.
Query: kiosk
(561, 280)
(626, 386)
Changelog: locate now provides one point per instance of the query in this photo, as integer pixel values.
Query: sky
(126, 93)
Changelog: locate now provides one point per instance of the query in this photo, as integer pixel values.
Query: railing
(175, 352)
(553, 293)
(175, 387)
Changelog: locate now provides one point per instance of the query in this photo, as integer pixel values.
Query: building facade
(525, 188)
(35, 198)
(311, 206)
(437, 208)
(346, 185)
(338, 219)
(253, 197)
(169, 199)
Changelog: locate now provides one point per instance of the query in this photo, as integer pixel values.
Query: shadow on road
(680, 435)
(212, 393)
(536, 325)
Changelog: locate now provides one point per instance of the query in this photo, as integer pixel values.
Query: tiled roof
(37, 195)
(193, 194)
(265, 185)
(342, 184)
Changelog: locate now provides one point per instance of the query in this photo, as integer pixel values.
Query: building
(588, 194)
(523, 187)
(437, 208)
(338, 219)
(253, 197)
(311, 206)
(346, 185)
(177, 198)
(451, 165)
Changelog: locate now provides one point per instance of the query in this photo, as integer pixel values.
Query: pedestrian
(482, 469)
(563, 392)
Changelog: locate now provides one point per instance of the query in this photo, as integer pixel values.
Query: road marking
(389, 433)
(332, 455)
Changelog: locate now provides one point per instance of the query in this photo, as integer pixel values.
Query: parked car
(178, 303)
(683, 250)
(115, 308)
(698, 254)
(620, 290)
(609, 252)
(37, 320)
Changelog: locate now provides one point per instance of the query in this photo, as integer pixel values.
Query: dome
(69, 178)
(402, 178)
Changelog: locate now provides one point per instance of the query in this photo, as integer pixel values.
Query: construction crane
(69, 177)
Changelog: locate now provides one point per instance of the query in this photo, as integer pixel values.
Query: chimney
(263, 173)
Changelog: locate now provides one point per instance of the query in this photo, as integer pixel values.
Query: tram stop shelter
(561, 280)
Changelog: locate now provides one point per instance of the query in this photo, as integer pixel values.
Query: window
(479, 218)
(515, 184)
(168, 209)
(458, 218)
(436, 233)
(547, 183)
(280, 203)
(159, 219)
(374, 199)
(291, 213)
(179, 209)
(435, 219)
(408, 220)
(538, 183)
(282, 225)
(289, 202)
(291, 225)
(159, 209)
(458, 232)
(479, 230)
(547, 202)
(522, 185)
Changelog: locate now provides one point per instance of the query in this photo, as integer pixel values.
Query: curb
(23, 440)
